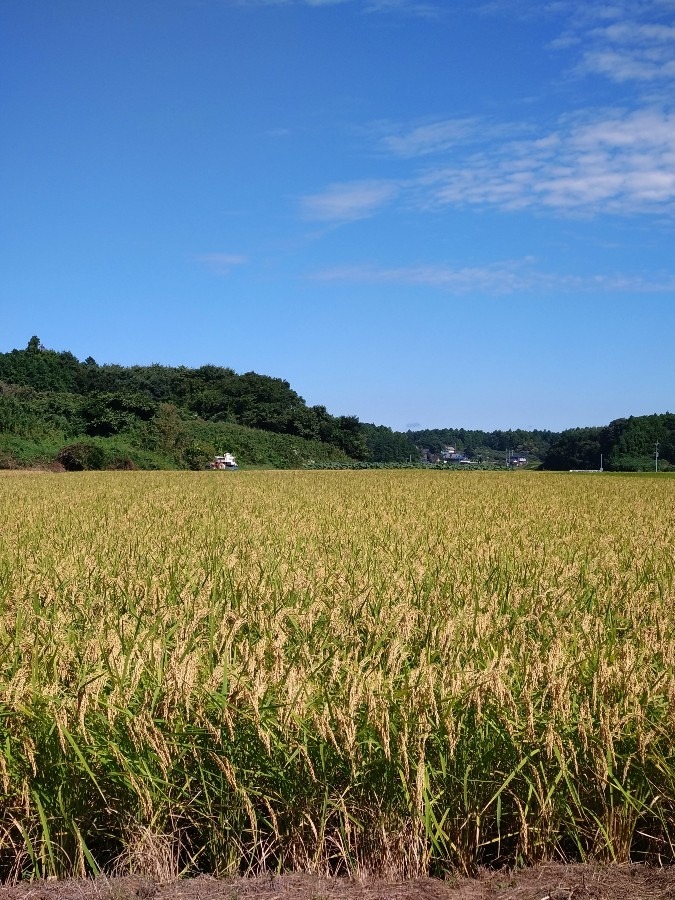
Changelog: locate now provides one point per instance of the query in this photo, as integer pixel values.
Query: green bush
(8, 462)
(81, 457)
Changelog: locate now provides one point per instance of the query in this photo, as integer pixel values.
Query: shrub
(121, 463)
(81, 457)
(7, 461)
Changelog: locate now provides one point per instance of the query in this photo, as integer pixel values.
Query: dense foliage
(179, 416)
(386, 445)
(625, 445)
(166, 417)
(534, 443)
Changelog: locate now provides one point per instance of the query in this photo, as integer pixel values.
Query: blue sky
(422, 213)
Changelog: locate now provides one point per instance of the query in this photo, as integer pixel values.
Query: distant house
(449, 454)
(518, 460)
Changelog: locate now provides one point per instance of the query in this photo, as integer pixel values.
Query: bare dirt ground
(548, 882)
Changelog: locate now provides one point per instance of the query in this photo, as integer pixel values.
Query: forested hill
(625, 445)
(182, 414)
(55, 408)
(485, 443)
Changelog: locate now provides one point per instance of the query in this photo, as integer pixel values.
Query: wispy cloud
(508, 277)
(349, 201)
(415, 7)
(579, 11)
(631, 50)
(501, 278)
(429, 137)
(611, 161)
(438, 137)
(614, 162)
(259, 3)
(623, 40)
(221, 263)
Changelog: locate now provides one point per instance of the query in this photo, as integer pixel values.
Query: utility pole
(656, 456)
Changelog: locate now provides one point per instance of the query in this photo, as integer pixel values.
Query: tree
(82, 456)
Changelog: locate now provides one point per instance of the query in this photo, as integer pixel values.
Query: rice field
(397, 672)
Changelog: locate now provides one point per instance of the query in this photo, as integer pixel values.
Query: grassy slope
(251, 446)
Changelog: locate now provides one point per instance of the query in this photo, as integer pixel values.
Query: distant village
(450, 455)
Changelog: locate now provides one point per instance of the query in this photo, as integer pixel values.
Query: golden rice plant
(397, 672)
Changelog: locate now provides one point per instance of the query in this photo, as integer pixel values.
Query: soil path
(549, 882)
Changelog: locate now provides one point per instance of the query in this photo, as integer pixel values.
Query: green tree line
(163, 416)
(160, 415)
(625, 445)
(535, 443)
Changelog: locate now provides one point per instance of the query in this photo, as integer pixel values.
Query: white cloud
(579, 12)
(431, 137)
(442, 136)
(613, 162)
(618, 163)
(407, 6)
(631, 51)
(418, 7)
(221, 263)
(509, 277)
(501, 278)
(349, 201)
(625, 40)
